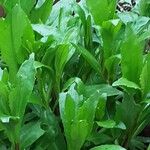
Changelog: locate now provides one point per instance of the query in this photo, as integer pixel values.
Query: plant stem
(17, 146)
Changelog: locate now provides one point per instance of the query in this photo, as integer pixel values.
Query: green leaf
(10, 4)
(143, 7)
(100, 112)
(128, 112)
(127, 17)
(5, 76)
(81, 13)
(62, 56)
(27, 5)
(35, 99)
(22, 90)
(4, 91)
(102, 88)
(110, 33)
(144, 79)
(53, 137)
(4, 94)
(44, 30)
(102, 10)
(30, 133)
(6, 46)
(38, 64)
(89, 58)
(76, 80)
(111, 124)
(6, 119)
(108, 147)
(140, 26)
(99, 138)
(77, 121)
(1, 73)
(125, 82)
(107, 123)
(42, 13)
(132, 59)
(111, 65)
(14, 30)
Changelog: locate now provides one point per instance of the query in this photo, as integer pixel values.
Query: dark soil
(146, 132)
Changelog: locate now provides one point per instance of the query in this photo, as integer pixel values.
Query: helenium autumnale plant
(74, 75)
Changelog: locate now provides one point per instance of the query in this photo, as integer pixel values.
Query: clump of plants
(74, 75)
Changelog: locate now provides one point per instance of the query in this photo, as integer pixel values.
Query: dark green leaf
(89, 58)
(30, 133)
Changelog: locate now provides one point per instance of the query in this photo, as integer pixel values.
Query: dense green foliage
(74, 75)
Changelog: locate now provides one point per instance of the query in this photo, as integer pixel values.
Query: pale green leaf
(108, 147)
(111, 124)
(125, 82)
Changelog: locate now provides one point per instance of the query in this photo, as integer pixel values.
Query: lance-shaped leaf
(126, 83)
(108, 147)
(102, 88)
(62, 55)
(30, 133)
(7, 50)
(14, 30)
(42, 13)
(145, 77)
(8, 5)
(110, 36)
(23, 87)
(143, 7)
(61, 58)
(77, 121)
(111, 124)
(102, 10)
(27, 5)
(4, 103)
(88, 57)
(132, 59)
(53, 137)
(126, 111)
